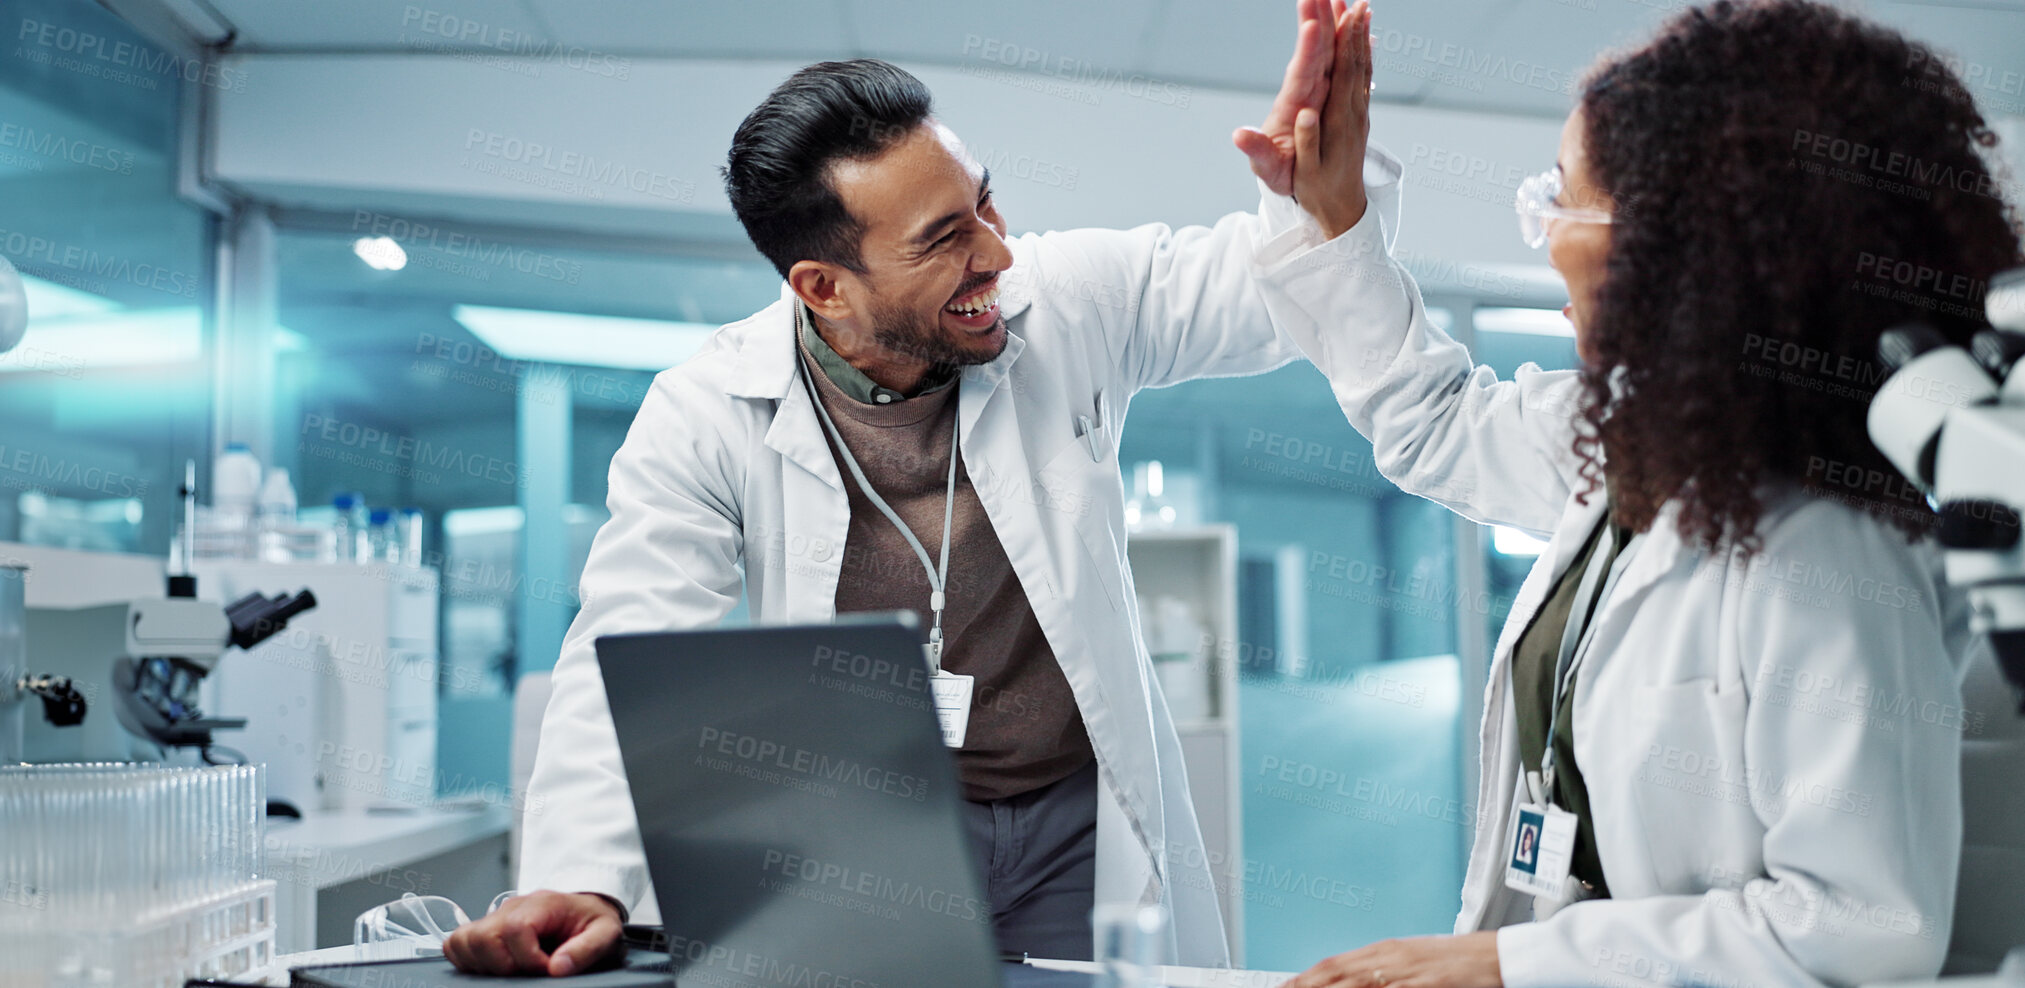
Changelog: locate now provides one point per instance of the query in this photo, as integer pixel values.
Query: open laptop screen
(800, 815)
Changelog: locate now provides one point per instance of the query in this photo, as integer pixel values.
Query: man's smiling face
(933, 249)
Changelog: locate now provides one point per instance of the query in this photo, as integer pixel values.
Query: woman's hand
(1329, 142)
(1466, 961)
(1270, 145)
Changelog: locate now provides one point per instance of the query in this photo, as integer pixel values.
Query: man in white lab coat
(808, 455)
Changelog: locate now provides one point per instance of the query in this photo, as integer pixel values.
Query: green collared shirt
(1534, 660)
(852, 381)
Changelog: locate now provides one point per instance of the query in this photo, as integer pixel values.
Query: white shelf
(1198, 566)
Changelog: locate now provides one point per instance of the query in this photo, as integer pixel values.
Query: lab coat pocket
(1081, 426)
(1094, 440)
(1691, 818)
(1084, 489)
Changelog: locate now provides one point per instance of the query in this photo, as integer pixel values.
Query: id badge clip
(952, 705)
(1540, 847)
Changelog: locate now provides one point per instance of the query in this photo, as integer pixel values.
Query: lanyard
(1575, 636)
(938, 579)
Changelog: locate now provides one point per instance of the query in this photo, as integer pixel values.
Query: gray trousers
(1039, 856)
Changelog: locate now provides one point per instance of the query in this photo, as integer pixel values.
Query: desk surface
(1016, 975)
(331, 848)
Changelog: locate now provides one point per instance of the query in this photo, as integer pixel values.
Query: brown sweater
(1025, 731)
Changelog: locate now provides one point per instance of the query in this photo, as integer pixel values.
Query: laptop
(801, 818)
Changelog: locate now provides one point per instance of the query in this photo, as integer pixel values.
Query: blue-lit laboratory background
(199, 272)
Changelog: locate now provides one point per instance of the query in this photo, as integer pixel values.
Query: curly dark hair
(1791, 181)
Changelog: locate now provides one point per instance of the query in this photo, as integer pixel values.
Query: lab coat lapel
(1484, 894)
(815, 517)
(1042, 545)
(1574, 528)
(765, 340)
(996, 459)
(813, 504)
(1650, 559)
(980, 389)
(769, 367)
(798, 437)
(1655, 556)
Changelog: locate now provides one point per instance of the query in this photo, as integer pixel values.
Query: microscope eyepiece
(1900, 345)
(256, 618)
(1998, 351)
(1978, 523)
(2004, 301)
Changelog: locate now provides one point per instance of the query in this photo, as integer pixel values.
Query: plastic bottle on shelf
(345, 529)
(277, 497)
(277, 516)
(382, 545)
(235, 487)
(411, 537)
(361, 529)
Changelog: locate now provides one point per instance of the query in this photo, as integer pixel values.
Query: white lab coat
(1771, 749)
(725, 478)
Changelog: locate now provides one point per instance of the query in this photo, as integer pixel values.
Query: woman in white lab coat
(1756, 749)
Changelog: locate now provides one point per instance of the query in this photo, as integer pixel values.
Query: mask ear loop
(420, 906)
(370, 928)
(378, 925)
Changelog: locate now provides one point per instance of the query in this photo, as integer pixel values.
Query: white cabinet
(341, 705)
(1186, 580)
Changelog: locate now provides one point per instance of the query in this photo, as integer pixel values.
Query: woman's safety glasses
(1537, 204)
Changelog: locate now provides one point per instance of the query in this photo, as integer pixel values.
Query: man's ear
(820, 286)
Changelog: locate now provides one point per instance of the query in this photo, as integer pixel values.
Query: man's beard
(902, 331)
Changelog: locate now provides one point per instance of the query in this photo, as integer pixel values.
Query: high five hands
(1311, 145)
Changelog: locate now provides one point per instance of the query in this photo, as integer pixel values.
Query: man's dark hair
(778, 174)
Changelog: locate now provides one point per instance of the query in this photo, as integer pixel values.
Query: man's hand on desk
(552, 933)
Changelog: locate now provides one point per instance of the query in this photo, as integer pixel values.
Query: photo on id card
(1526, 845)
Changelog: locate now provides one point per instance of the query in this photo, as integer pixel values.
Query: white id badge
(1540, 848)
(952, 705)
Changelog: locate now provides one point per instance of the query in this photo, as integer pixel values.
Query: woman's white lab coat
(725, 479)
(1770, 746)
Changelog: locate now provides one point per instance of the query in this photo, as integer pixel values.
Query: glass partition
(429, 356)
(109, 392)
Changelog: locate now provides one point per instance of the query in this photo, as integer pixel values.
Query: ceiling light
(380, 253)
(576, 338)
(49, 300)
(1527, 322)
(466, 522)
(140, 338)
(116, 339)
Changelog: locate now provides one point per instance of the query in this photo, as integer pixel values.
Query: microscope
(117, 682)
(1953, 421)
